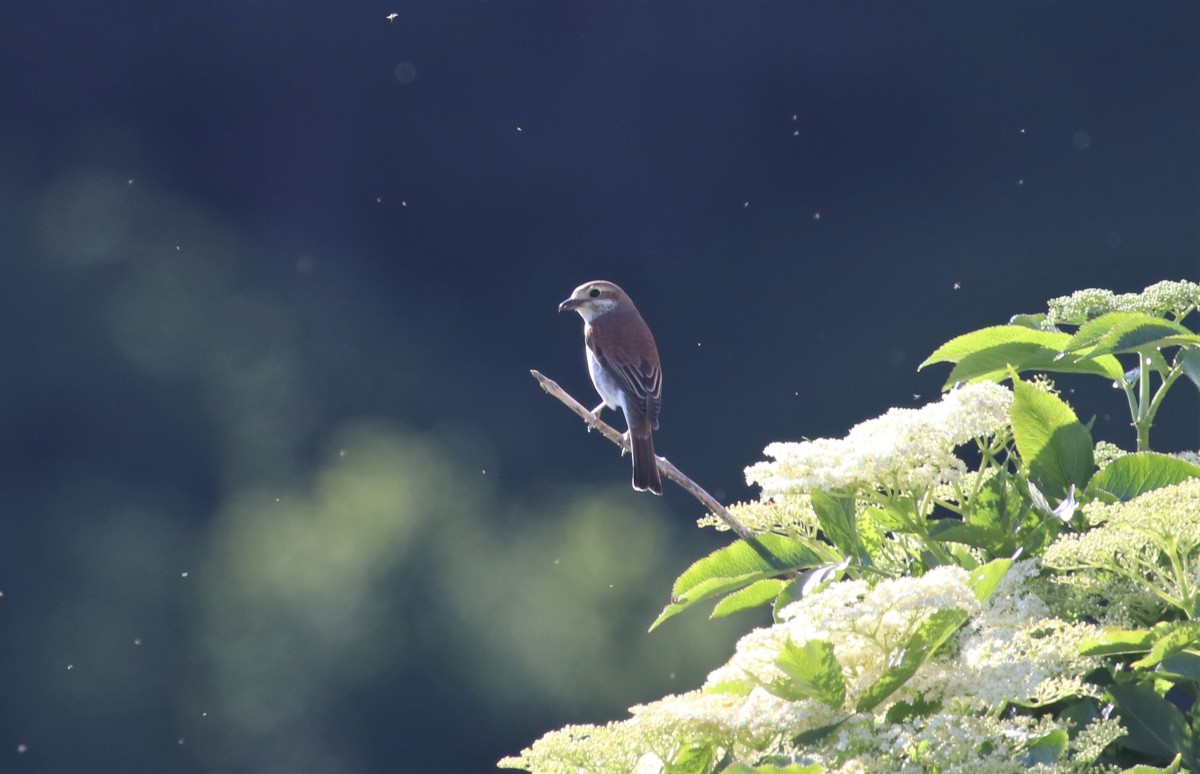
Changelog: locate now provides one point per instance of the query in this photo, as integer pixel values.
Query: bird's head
(595, 298)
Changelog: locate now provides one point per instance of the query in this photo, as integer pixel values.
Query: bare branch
(664, 466)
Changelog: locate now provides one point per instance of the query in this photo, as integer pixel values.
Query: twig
(664, 466)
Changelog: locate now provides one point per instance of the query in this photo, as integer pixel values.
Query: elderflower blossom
(905, 449)
(580, 748)
(1154, 537)
(1170, 297)
(1105, 453)
(1009, 652)
(787, 514)
(867, 627)
(1132, 529)
(943, 742)
(1013, 651)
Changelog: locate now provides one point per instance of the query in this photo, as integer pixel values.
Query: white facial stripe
(591, 308)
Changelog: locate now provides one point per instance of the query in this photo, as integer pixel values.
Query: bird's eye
(594, 292)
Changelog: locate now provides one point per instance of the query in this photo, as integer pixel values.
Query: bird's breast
(608, 388)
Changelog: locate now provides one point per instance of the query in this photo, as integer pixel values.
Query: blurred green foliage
(227, 561)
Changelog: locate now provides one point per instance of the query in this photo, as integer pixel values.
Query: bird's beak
(569, 304)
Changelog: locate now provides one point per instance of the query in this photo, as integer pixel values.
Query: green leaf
(837, 519)
(993, 364)
(1174, 767)
(886, 519)
(1093, 331)
(1054, 445)
(1190, 359)
(1154, 725)
(902, 711)
(986, 579)
(1116, 642)
(813, 672)
(986, 538)
(734, 566)
(929, 636)
(1078, 714)
(988, 353)
(995, 505)
(1171, 639)
(1185, 665)
(757, 593)
(733, 687)
(693, 759)
(954, 350)
(792, 591)
(1119, 332)
(814, 735)
(1046, 749)
(1134, 474)
(1033, 321)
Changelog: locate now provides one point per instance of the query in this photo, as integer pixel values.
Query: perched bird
(623, 362)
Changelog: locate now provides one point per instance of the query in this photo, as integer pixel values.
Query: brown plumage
(623, 362)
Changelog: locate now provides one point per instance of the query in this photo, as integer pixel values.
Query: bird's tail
(645, 464)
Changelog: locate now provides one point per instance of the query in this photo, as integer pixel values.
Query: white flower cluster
(903, 450)
(1011, 652)
(793, 514)
(1176, 298)
(867, 627)
(1152, 540)
(1126, 534)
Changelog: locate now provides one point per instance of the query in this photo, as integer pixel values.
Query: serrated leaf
(1171, 638)
(986, 579)
(838, 522)
(1047, 748)
(813, 672)
(1174, 767)
(984, 339)
(814, 735)
(754, 595)
(1033, 321)
(738, 687)
(987, 538)
(693, 759)
(989, 352)
(902, 711)
(1122, 332)
(808, 582)
(1134, 474)
(1185, 665)
(996, 505)
(1190, 359)
(1153, 725)
(792, 591)
(885, 519)
(734, 566)
(1079, 714)
(1115, 642)
(929, 636)
(1054, 445)
(993, 364)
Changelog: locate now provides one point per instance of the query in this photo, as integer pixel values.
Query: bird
(623, 362)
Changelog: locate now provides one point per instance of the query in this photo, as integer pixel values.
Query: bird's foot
(591, 423)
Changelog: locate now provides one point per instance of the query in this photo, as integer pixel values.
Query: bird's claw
(595, 417)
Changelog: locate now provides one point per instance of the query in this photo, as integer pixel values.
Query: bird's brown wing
(628, 362)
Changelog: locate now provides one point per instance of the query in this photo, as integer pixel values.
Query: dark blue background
(227, 229)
